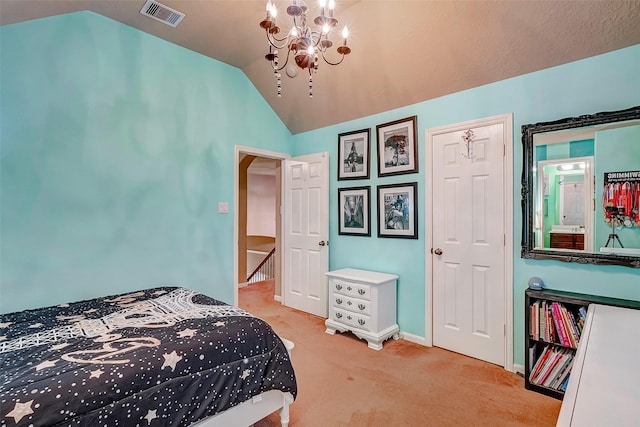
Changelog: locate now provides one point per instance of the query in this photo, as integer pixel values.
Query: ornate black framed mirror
(581, 189)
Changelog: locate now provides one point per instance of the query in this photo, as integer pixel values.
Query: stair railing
(265, 270)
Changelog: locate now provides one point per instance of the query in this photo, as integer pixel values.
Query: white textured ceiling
(403, 52)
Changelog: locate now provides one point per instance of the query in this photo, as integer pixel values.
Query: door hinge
(504, 330)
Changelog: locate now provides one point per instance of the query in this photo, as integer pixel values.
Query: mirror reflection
(586, 189)
(581, 189)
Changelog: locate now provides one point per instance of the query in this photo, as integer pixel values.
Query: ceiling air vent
(161, 13)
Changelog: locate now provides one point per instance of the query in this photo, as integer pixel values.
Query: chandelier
(304, 44)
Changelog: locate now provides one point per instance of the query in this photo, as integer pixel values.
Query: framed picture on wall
(397, 147)
(398, 210)
(353, 218)
(353, 155)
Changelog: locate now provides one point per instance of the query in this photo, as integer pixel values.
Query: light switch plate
(223, 207)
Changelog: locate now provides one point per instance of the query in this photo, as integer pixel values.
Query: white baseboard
(422, 341)
(413, 338)
(277, 298)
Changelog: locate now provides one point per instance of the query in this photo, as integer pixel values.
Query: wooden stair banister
(261, 265)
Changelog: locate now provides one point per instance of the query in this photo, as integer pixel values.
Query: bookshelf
(553, 325)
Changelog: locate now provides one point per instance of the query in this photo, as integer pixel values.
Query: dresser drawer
(351, 319)
(356, 305)
(345, 287)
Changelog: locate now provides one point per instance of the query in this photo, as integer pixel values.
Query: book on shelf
(548, 330)
(568, 327)
(552, 362)
(564, 373)
(565, 358)
(532, 357)
(539, 363)
(559, 323)
(583, 313)
(553, 366)
(573, 328)
(534, 320)
(554, 322)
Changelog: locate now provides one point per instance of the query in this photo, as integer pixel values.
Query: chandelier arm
(329, 62)
(318, 35)
(283, 65)
(273, 41)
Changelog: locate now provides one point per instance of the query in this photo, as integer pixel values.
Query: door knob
(437, 251)
(322, 243)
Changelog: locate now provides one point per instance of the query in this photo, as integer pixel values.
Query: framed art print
(397, 147)
(354, 212)
(353, 155)
(398, 210)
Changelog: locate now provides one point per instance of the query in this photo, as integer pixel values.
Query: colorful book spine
(568, 328)
(559, 323)
(539, 363)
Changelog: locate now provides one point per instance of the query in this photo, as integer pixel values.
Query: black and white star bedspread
(166, 356)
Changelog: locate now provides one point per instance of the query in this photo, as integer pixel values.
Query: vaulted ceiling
(403, 52)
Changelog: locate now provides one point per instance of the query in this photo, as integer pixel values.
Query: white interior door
(306, 230)
(468, 241)
(572, 203)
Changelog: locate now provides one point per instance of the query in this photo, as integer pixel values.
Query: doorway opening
(564, 203)
(257, 220)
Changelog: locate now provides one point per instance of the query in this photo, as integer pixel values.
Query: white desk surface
(604, 386)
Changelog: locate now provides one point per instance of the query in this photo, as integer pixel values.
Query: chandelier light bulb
(293, 32)
(273, 11)
(325, 29)
(345, 33)
(311, 50)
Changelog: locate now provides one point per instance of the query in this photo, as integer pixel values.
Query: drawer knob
(361, 291)
(339, 287)
(348, 317)
(349, 302)
(361, 321)
(339, 315)
(339, 300)
(361, 306)
(348, 288)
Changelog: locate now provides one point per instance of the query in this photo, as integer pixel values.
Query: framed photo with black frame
(353, 154)
(397, 147)
(353, 218)
(398, 210)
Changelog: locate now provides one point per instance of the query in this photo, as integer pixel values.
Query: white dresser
(363, 302)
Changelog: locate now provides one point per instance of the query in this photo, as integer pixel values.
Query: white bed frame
(254, 409)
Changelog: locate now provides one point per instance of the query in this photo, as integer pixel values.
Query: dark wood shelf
(572, 301)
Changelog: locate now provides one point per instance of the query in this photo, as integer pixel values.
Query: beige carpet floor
(341, 382)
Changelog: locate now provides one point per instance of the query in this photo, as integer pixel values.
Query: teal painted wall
(116, 149)
(602, 83)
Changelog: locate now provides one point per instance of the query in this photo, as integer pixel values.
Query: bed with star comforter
(164, 356)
